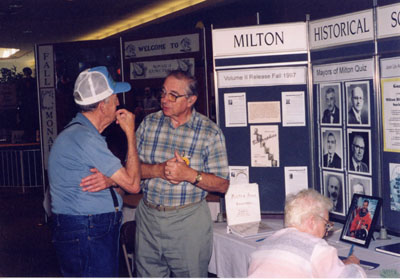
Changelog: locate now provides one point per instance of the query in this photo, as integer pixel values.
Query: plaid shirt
(202, 142)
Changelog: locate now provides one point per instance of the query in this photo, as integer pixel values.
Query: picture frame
(334, 189)
(328, 101)
(361, 218)
(332, 144)
(359, 146)
(361, 103)
(358, 184)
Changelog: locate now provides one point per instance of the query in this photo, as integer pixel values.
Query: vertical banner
(46, 66)
(47, 99)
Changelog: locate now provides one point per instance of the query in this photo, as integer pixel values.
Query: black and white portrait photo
(358, 112)
(332, 148)
(330, 100)
(359, 156)
(334, 190)
(359, 185)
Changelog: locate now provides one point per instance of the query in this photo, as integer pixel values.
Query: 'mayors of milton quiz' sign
(260, 39)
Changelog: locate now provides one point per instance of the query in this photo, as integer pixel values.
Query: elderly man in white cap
(86, 215)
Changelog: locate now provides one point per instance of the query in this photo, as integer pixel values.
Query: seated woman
(298, 250)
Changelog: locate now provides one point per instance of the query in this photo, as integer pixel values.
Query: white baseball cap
(96, 84)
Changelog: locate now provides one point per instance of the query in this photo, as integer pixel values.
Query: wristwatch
(198, 178)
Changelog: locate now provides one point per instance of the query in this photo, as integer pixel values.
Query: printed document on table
(243, 211)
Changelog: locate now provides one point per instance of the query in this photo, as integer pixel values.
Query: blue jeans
(87, 246)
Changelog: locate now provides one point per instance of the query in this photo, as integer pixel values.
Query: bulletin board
(389, 68)
(263, 106)
(345, 114)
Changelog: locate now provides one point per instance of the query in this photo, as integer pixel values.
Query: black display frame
(364, 238)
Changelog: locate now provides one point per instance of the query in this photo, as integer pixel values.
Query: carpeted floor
(25, 238)
(25, 246)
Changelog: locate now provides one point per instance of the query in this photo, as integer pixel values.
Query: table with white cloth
(231, 253)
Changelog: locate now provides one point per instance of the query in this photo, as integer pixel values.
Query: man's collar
(190, 123)
(355, 163)
(82, 119)
(356, 113)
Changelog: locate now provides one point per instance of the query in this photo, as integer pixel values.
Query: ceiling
(24, 23)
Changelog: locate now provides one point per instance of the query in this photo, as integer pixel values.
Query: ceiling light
(7, 52)
(140, 17)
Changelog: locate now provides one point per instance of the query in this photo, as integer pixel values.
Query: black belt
(161, 207)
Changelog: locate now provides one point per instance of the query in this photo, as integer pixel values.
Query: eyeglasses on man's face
(358, 148)
(171, 96)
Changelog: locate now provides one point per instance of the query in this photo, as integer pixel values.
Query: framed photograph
(334, 190)
(358, 185)
(330, 104)
(394, 172)
(332, 148)
(361, 219)
(358, 103)
(359, 151)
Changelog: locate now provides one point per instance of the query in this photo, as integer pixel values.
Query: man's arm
(127, 177)
(175, 171)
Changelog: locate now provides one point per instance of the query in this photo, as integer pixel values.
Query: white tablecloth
(231, 253)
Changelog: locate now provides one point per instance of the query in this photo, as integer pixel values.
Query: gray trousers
(173, 243)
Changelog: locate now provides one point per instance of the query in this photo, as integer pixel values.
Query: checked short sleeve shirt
(200, 139)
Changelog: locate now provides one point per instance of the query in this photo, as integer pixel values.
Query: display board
(345, 108)
(263, 107)
(389, 66)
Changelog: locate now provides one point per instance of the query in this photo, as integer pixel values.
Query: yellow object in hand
(186, 159)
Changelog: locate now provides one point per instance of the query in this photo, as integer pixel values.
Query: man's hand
(95, 182)
(176, 170)
(351, 260)
(126, 120)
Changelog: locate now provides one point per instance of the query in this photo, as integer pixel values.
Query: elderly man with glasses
(357, 113)
(358, 149)
(299, 249)
(183, 157)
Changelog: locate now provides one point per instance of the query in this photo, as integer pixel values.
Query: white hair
(304, 204)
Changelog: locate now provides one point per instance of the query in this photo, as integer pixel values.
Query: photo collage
(345, 141)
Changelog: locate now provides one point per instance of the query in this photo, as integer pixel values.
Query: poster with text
(264, 146)
(391, 114)
(235, 109)
(293, 109)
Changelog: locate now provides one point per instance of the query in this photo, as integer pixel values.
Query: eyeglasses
(328, 225)
(358, 148)
(171, 96)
